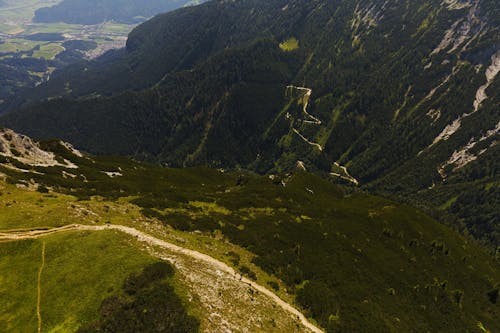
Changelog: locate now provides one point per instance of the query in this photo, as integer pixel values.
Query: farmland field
(16, 26)
(30, 52)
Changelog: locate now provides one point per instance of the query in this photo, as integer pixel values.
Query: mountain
(98, 11)
(351, 261)
(398, 98)
(24, 70)
(31, 52)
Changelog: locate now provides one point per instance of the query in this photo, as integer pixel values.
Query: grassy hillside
(354, 262)
(122, 310)
(80, 271)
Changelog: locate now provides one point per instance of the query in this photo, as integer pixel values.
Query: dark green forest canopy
(394, 97)
(387, 105)
(355, 262)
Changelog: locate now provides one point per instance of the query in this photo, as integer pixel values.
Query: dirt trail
(347, 176)
(307, 97)
(39, 290)
(153, 241)
(314, 144)
(310, 119)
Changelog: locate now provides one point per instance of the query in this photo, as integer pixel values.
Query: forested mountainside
(98, 11)
(351, 261)
(397, 97)
(26, 69)
(30, 51)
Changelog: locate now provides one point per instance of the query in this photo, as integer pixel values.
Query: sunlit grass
(289, 45)
(81, 270)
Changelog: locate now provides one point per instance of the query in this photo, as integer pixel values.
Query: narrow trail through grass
(153, 241)
(39, 290)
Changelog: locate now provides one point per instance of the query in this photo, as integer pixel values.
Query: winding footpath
(39, 290)
(317, 145)
(307, 97)
(310, 119)
(153, 241)
(347, 176)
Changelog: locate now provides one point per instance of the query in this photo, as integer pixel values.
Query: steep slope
(398, 97)
(353, 262)
(36, 224)
(31, 51)
(181, 40)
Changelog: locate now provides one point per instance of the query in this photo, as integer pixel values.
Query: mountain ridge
(388, 85)
(349, 260)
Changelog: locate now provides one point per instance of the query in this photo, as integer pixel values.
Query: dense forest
(394, 100)
(23, 70)
(347, 148)
(354, 262)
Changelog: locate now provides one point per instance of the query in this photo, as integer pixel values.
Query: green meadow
(81, 269)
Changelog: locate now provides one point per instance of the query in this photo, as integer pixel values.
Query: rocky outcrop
(463, 156)
(28, 151)
(463, 31)
(491, 73)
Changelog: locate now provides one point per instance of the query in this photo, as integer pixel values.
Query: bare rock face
(491, 73)
(2, 148)
(27, 151)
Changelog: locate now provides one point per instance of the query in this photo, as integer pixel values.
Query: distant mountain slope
(89, 12)
(180, 39)
(352, 261)
(399, 97)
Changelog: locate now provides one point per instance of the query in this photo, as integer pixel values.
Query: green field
(22, 209)
(17, 45)
(290, 44)
(15, 22)
(81, 269)
(15, 18)
(48, 51)
(18, 13)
